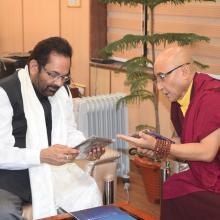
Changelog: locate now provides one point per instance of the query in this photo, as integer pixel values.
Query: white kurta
(66, 186)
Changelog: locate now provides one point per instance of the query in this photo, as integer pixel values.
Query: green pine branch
(137, 84)
(152, 3)
(145, 126)
(182, 39)
(138, 72)
(137, 69)
(200, 65)
(131, 41)
(136, 97)
(138, 65)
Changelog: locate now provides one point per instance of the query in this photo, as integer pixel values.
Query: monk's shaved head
(173, 72)
(171, 58)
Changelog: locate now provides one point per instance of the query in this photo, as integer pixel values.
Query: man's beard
(50, 90)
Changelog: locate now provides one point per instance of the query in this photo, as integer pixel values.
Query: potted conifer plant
(140, 70)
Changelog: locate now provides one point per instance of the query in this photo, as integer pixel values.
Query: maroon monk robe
(201, 119)
(195, 193)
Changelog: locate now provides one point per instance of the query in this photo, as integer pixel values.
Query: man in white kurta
(36, 115)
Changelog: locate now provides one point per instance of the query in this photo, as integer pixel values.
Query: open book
(107, 212)
(91, 142)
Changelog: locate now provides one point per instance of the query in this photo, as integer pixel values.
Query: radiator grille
(98, 115)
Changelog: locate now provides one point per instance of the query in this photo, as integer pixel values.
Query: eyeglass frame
(55, 75)
(162, 76)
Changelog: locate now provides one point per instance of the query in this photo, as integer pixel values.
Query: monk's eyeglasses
(162, 76)
(56, 76)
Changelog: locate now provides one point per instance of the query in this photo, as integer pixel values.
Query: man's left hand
(95, 153)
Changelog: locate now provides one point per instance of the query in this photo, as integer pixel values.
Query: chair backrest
(10, 63)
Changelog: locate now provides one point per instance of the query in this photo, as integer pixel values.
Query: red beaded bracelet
(162, 149)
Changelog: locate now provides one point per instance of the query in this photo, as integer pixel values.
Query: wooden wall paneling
(100, 81)
(75, 28)
(138, 113)
(214, 66)
(128, 54)
(211, 50)
(211, 58)
(117, 82)
(193, 10)
(123, 20)
(207, 29)
(127, 23)
(98, 27)
(147, 113)
(201, 18)
(117, 85)
(41, 20)
(105, 81)
(11, 35)
(204, 53)
(124, 8)
(143, 113)
(166, 126)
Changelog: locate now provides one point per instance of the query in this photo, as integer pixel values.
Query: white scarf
(47, 190)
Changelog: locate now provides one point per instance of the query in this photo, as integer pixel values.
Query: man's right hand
(58, 155)
(146, 152)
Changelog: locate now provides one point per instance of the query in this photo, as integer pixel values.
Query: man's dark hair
(43, 49)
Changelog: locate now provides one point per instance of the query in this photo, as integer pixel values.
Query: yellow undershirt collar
(184, 102)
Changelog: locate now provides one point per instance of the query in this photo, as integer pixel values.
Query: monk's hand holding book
(141, 140)
(150, 140)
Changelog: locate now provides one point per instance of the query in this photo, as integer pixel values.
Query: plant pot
(150, 172)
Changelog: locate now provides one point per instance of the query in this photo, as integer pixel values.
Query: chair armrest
(102, 168)
(88, 166)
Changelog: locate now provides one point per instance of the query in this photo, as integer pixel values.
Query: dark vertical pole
(164, 174)
(145, 28)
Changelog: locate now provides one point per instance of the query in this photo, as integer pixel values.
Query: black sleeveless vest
(16, 181)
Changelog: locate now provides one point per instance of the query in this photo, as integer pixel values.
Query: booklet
(106, 212)
(154, 134)
(91, 142)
